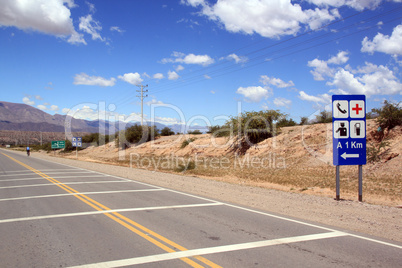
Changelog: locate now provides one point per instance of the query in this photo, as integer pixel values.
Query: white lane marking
(211, 250)
(376, 241)
(85, 193)
(313, 225)
(105, 211)
(48, 184)
(54, 177)
(30, 172)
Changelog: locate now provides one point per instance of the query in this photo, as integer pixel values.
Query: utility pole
(142, 96)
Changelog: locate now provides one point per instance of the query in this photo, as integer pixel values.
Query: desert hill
(299, 159)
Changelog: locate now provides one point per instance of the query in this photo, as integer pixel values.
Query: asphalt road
(53, 215)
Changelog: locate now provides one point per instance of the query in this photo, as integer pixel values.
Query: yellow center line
(124, 221)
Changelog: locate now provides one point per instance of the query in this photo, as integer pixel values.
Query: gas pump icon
(357, 129)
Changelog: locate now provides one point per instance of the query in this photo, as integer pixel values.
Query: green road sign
(58, 144)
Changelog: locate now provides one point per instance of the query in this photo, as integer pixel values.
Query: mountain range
(22, 117)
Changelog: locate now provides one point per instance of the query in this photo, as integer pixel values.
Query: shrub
(389, 115)
(324, 117)
(69, 147)
(96, 138)
(304, 120)
(186, 142)
(136, 134)
(195, 132)
(256, 126)
(166, 131)
(374, 151)
(252, 128)
(284, 122)
(219, 131)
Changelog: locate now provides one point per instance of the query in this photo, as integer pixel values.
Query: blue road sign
(76, 142)
(349, 129)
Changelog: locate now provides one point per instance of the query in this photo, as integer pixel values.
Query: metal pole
(142, 100)
(337, 184)
(360, 183)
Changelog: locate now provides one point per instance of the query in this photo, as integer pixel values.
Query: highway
(53, 215)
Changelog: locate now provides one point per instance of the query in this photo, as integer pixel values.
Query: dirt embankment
(299, 160)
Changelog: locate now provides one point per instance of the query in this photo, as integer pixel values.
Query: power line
(215, 71)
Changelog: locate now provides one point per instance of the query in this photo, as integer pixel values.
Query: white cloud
(158, 76)
(368, 80)
(84, 79)
(324, 98)
(49, 17)
(116, 29)
(191, 58)
(38, 97)
(321, 68)
(254, 94)
(91, 7)
(65, 110)
(340, 58)
(265, 80)
(153, 101)
(85, 112)
(76, 38)
(384, 43)
(54, 108)
(236, 58)
(132, 78)
(27, 101)
(282, 102)
(42, 107)
(268, 18)
(91, 26)
(172, 75)
(193, 3)
(356, 4)
(179, 68)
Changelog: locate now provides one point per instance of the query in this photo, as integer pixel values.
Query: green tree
(166, 131)
(136, 134)
(389, 115)
(304, 120)
(219, 131)
(284, 122)
(69, 147)
(195, 132)
(252, 128)
(324, 117)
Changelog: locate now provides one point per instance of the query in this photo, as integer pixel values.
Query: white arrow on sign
(345, 155)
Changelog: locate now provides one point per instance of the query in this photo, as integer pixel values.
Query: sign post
(349, 135)
(76, 142)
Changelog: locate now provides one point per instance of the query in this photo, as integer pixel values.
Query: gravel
(379, 221)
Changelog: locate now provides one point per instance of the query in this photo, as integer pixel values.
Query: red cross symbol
(357, 108)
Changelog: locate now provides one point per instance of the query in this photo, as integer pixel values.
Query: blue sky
(201, 60)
